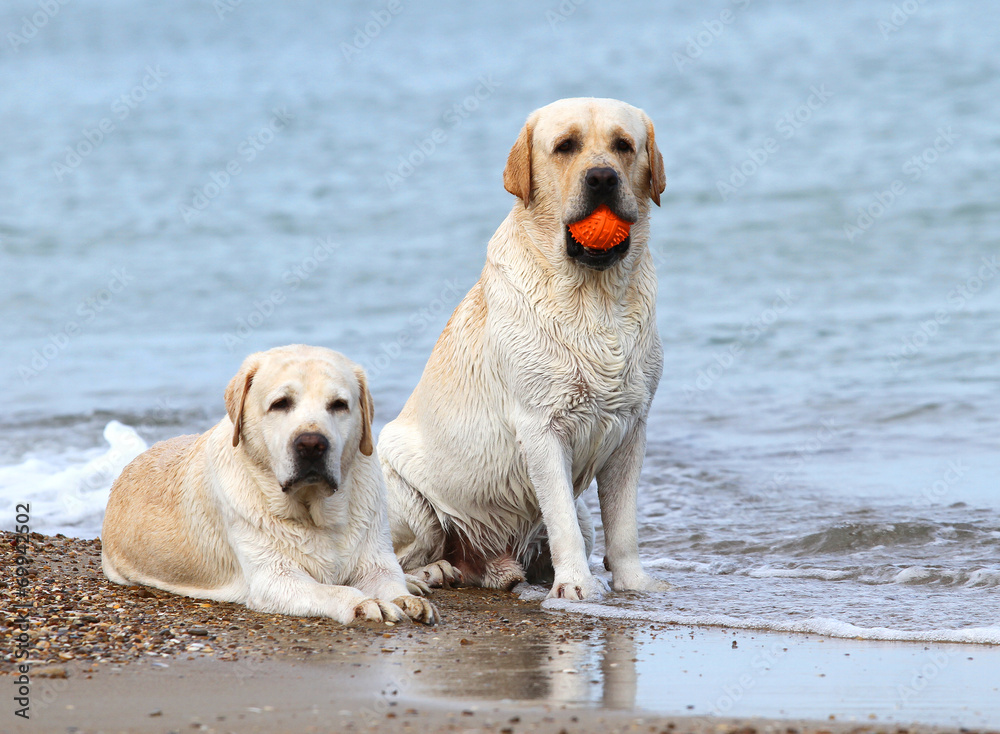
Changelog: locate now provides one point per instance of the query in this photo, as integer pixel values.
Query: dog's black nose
(311, 445)
(602, 180)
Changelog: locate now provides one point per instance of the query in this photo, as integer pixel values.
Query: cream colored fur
(227, 516)
(542, 379)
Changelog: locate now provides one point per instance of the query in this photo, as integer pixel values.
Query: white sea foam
(530, 592)
(912, 575)
(814, 625)
(824, 574)
(68, 494)
(869, 575)
(725, 568)
(671, 564)
(984, 577)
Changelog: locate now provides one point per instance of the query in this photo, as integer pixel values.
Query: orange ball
(602, 230)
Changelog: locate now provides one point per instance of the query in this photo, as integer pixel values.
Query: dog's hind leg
(417, 535)
(617, 489)
(111, 570)
(502, 573)
(586, 525)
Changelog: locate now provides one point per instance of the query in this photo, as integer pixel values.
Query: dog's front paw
(437, 574)
(417, 587)
(586, 587)
(417, 609)
(375, 610)
(639, 582)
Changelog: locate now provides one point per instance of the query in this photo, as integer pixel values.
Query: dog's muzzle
(596, 259)
(313, 479)
(601, 185)
(311, 450)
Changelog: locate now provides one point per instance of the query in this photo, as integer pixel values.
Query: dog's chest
(593, 412)
(323, 553)
(587, 368)
(327, 563)
(601, 386)
(600, 374)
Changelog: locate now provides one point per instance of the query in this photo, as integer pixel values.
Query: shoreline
(169, 660)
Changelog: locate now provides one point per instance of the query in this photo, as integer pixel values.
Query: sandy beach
(109, 659)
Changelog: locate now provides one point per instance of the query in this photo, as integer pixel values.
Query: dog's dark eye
(624, 146)
(280, 404)
(337, 406)
(566, 146)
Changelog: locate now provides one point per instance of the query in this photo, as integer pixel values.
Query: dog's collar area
(596, 259)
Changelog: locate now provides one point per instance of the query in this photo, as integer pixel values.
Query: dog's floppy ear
(236, 395)
(517, 174)
(367, 413)
(657, 176)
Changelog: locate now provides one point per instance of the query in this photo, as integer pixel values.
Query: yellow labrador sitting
(281, 506)
(543, 378)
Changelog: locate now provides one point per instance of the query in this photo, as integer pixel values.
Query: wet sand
(112, 659)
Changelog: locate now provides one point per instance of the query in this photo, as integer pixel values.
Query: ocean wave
(989, 577)
(978, 577)
(853, 537)
(671, 564)
(870, 575)
(823, 574)
(68, 494)
(815, 625)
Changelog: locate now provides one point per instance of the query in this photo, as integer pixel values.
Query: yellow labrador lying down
(543, 378)
(281, 506)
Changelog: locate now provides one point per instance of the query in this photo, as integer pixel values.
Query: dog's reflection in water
(528, 667)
